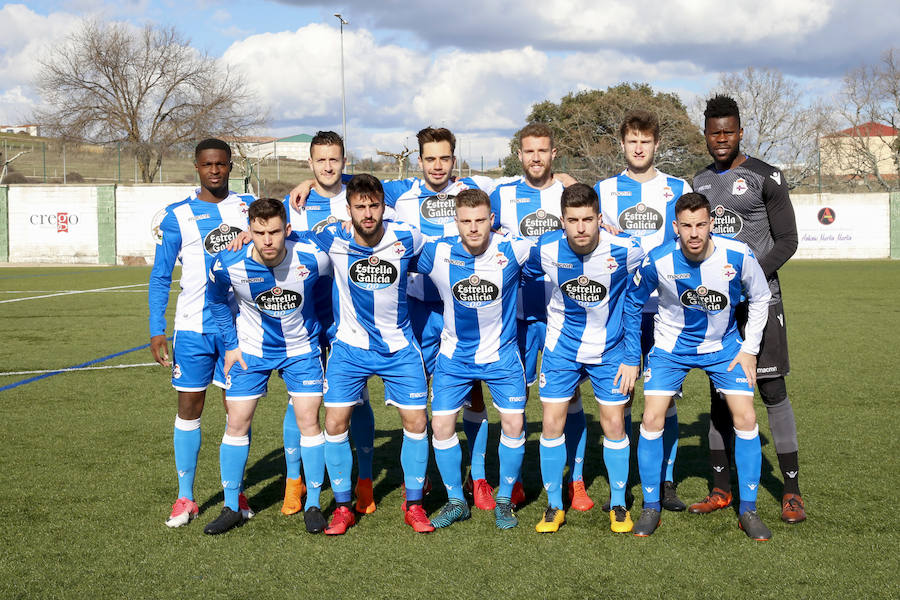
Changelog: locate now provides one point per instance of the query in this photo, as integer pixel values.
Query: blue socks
(312, 449)
(339, 461)
(448, 456)
(616, 454)
(291, 435)
(650, 456)
(186, 439)
(748, 460)
(553, 460)
(233, 455)
(576, 440)
(362, 430)
(511, 451)
(475, 426)
(670, 444)
(414, 460)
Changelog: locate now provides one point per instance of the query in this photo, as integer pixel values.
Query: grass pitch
(87, 474)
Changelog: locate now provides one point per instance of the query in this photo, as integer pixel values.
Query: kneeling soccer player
(589, 270)
(273, 281)
(701, 278)
(477, 275)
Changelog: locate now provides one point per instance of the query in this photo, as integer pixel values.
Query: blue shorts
(427, 320)
(452, 383)
(403, 373)
(666, 372)
(560, 377)
(197, 360)
(302, 376)
(531, 336)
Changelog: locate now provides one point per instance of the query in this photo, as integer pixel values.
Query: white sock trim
(553, 442)
(416, 436)
(236, 440)
(512, 442)
(616, 444)
(450, 442)
(650, 435)
(747, 435)
(334, 439)
(310, 441)
(187, 424)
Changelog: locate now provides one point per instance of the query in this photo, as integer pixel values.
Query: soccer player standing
(750, 202)
(192, 232)
(477, 275)
(589, 270)
(531, 208)
(273, 281)
(700, 278)
(641, 202)
(374, 337)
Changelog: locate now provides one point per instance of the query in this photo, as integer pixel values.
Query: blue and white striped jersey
(276, 310)
(529, 212)
(479, 295)
(318, 212)
(697, 300)
(370, 285)
(585, 313)
(192, 232)
(432, 213)
(644, 210)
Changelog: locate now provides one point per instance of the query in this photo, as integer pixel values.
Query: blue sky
(473, 66)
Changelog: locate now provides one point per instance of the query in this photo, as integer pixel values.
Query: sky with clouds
(473, 66)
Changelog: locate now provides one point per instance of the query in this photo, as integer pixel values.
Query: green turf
(87, 476)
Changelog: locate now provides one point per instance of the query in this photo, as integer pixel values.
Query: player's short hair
(439, 134)
(536, 129)
(640, 120)
(212, 144)
(264, 209)
(721, 106)
(578, 195)
(692, 201)
(365, 186)
(472, 198)
(327, 138)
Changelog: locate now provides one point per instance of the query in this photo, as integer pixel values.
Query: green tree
(586, 131)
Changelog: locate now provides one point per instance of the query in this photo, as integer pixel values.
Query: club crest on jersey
(399, 248)
(216, 240)
(726, 222)
(278, 302)
(538, 223)
(373, 273)
(244, 208)
(542, 381)
(668, 194)
(438, 209)
(318, 227)
(475, 292)
(728, 271)
(584, 291)
(738, 187)
(502, 261)
(647, 375)
(302, 271)
(704, 299)
(611, 264)
(156, 231)
(640, 219)
(176, 371)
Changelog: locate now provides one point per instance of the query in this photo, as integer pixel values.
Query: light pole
(343, 95)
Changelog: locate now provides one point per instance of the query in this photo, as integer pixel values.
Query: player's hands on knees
(748, 364)
(232, 357)
(160, 350)
(625, 378)
(242, 239)
(300, 193)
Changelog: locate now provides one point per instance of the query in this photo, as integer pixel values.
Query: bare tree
(147, 89)
(5, 168)
(400, 157)
(779, 127)
(870, 103)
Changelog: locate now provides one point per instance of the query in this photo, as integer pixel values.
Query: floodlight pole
(343, 93)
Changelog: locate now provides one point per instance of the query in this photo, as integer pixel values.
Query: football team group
(459, 282)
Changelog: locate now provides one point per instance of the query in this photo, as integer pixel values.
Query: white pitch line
(78, 369)
(70, 292)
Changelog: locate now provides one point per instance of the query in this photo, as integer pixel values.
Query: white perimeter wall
(53, 224)
(136, 207)
(861, 227)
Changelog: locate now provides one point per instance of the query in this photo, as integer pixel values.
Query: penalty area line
(73, 367)
(150, 364)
